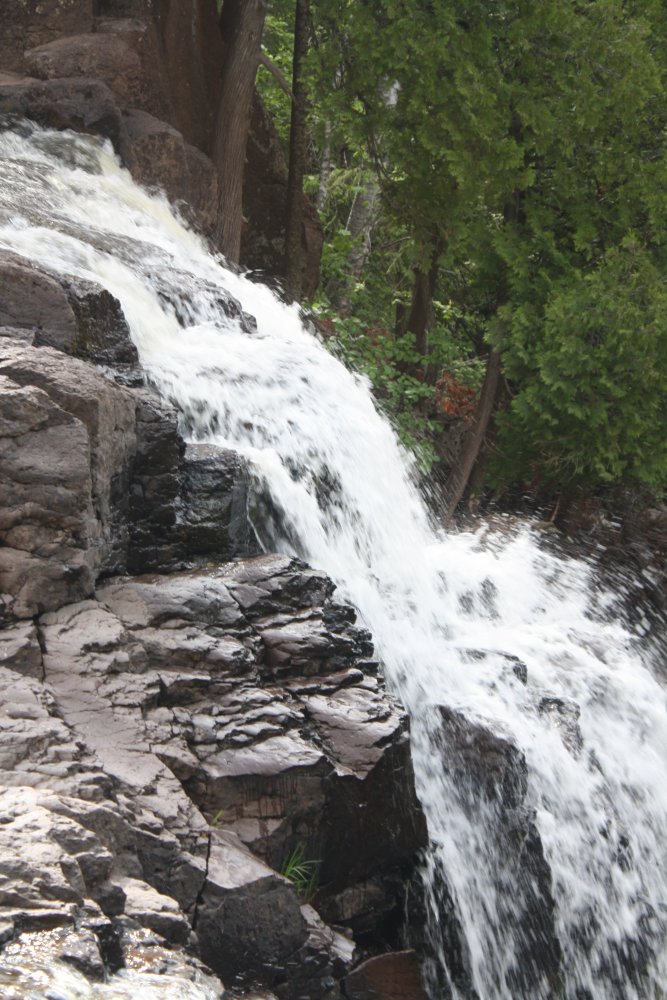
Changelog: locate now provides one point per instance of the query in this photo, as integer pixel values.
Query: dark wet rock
(564, 715)
(155, 485)
(83, 105)
(394, 976)
(488, 774)
(248, 918)
(102, 333)
(214, 522)
(486, 761)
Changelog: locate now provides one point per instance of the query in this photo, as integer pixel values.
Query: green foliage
(592, 366)
(526, 139)
(302, 873)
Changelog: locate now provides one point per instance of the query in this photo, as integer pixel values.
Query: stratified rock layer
(168, 740)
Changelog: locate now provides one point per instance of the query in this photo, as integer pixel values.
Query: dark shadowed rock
(395, 976)
(28, 23)
(155, 485)
(488, 774)
(102, 333)
(83, 105)
(165, 160)
(248, 917)
(214, 522)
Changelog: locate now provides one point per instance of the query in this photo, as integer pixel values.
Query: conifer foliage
(515, 154)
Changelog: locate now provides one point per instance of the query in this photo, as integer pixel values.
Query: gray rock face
(167, 741)
(65, 451)
(154, 705)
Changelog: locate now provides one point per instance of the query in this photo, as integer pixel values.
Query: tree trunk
(297, 157)
(420, 316)
(242, 23)
(361, 223)
(472, 446)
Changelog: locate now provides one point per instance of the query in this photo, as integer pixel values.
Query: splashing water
(496, 647)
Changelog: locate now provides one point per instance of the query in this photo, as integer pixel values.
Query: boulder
(104, 57)
(81, 104)
(34, 301)
(488, 774)
(70, 314)
(33, 22)
(163, 159)
(141, 35)
(248, 917)
(395, 976)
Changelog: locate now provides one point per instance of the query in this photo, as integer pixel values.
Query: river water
(511, 636)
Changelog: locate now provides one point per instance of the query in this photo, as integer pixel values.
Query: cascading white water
(448, 612)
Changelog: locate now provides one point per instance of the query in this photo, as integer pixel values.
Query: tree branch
(276, 74)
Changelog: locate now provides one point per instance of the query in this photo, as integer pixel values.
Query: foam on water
(448, 612)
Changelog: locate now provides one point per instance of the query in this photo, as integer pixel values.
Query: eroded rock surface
(166, 742)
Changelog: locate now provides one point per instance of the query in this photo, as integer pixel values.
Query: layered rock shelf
(179, 712)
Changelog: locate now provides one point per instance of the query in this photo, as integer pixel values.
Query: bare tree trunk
(472, 446)
(297, 156)
(420, 316)
(242, 23)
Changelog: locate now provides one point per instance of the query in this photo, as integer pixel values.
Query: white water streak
(310, 429)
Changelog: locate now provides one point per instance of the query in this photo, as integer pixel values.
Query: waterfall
(495, 644)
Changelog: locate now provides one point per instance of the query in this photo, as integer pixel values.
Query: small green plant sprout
(302, 873)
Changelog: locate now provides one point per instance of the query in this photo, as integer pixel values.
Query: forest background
(491, 178)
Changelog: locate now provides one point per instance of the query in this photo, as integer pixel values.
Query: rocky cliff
(180, 713)
(171, 737)
(146, 74)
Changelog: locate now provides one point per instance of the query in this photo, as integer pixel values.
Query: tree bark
(472, 446)
(297, 157)
(420, 316)
(242, 23)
